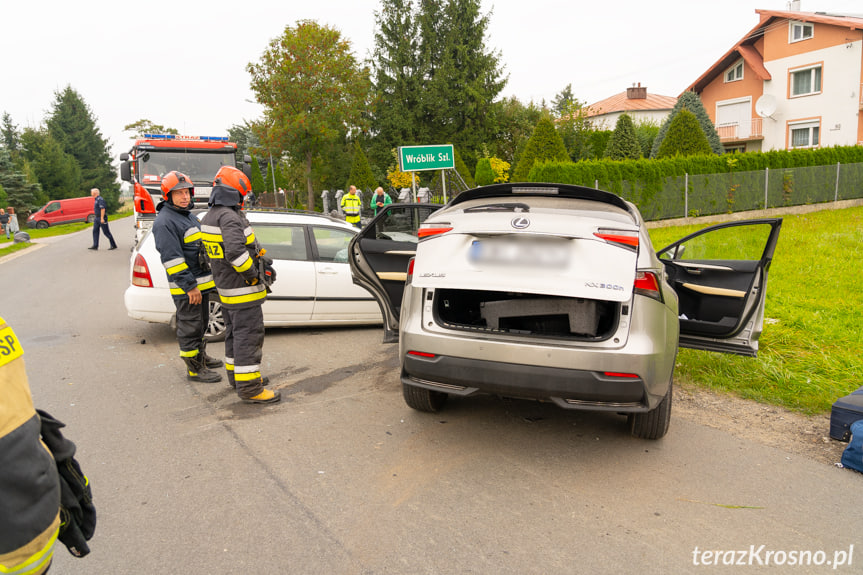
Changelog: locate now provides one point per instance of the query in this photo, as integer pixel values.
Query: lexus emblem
(520, 223)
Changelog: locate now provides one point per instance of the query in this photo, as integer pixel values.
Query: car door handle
(698, 267)
(710, 290)
(328, 271)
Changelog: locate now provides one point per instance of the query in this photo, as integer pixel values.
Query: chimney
(636, 93)
(794, 6)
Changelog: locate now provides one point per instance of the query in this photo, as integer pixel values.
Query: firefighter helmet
(233, 178)
(173, 181)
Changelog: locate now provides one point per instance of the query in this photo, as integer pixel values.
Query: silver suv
(554, 293)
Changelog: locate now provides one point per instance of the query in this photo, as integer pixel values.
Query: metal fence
(709, 194)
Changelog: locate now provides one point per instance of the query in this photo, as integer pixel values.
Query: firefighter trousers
(192, 322)
(244, 344)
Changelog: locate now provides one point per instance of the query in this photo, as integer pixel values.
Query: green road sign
(417, 158)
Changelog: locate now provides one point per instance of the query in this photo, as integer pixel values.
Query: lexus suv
(554, 292)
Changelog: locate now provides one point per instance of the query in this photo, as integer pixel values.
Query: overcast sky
(182, 63)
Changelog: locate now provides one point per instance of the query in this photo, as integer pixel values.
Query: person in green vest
(379, 200)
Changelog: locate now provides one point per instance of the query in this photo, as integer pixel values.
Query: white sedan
(313, 285)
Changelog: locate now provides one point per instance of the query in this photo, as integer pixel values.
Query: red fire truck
(153, 156)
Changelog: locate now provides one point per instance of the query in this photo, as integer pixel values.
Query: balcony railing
(737, 132)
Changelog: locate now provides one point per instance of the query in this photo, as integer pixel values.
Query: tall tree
(9, 134)
(463, 77)
(244, 137)
(574, 127)
(361, 174)
(20, 194)
(544, 144)
(562, 101)
(313, 91)
(73, 126)
(514, 123)
(624, 144)
(142, 127)
(58, 172)
(689, 100)
(397, 80)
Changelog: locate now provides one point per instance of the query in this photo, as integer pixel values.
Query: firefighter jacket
(230, 244)
(178, 239)
(29, 484)
(351, 205)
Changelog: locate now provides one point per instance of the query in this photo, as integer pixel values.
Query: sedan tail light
(429, 230)
(410, 275)
(646, 283)
(141, 273)
(624, 238)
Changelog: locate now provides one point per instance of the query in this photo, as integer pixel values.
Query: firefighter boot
(198, 370)
(210, 362)
(266, 396)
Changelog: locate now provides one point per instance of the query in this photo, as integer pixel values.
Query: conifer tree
(20, 194)
(73, 126)
(684, 137)
(692, 102)
(361, 173)
(544, 144)
(257, 179)
(58, 173)
(623, 144)
(484, 173)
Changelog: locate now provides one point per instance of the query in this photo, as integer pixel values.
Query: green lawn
(60, 230)
(810, 351)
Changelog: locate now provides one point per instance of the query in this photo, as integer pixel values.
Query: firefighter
(178, 239)
(351, 205)
(242, 277)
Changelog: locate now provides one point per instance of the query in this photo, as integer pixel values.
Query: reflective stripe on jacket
(232, 249)
(351, 207)
(178, 240)
(29, 484)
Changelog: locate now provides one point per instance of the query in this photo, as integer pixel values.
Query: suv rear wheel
(654, 423)
(423, 399)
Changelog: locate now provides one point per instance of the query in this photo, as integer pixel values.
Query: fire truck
(153, 156)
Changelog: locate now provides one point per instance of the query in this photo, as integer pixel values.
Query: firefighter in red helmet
(178, 239)
(242, 274)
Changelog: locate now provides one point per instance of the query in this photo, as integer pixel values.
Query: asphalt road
(342, 477)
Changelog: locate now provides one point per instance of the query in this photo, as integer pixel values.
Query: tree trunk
(310, 205)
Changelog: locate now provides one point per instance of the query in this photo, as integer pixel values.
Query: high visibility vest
(351, 207)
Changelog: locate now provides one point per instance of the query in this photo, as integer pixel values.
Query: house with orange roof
(636, 102)
(794, 81)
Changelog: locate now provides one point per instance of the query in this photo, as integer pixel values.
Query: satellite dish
(765, 106)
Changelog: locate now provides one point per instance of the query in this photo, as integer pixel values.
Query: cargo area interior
(526, 314)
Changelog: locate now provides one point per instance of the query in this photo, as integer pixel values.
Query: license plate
(521, 253)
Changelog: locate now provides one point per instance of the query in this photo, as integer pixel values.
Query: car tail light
(141, 273)
(646, 283)
(625, 238)
(429, 230)
(619, 374)
(410, 275)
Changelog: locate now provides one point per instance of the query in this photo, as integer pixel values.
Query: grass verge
(810, 352)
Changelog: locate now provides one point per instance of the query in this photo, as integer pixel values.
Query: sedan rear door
(720, 277)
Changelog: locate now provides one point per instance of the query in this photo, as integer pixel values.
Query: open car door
(720, 276)
(379, 257)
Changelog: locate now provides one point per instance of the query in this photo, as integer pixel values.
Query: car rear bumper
(149, 304)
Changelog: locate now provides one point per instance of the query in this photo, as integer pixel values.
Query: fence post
(836, 193)
(766, 181)
(686, 195)
(596, 184)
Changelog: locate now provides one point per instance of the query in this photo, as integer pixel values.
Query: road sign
(417, 158)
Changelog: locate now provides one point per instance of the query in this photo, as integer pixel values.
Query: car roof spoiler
(535, 189)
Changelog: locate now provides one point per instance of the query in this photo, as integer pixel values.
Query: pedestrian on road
(100, 211)
(32, 452)
(241, 279)
(4, 222)
(12, 226)
(380, 199)
(351, 206)
(178, 240)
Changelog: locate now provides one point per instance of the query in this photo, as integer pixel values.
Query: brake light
(429, 230)
(141, 273)
(410, 275)
(619, 374)
(624, 238)
(646, 283)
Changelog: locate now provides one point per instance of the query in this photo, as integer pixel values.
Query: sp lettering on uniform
(10, 347)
